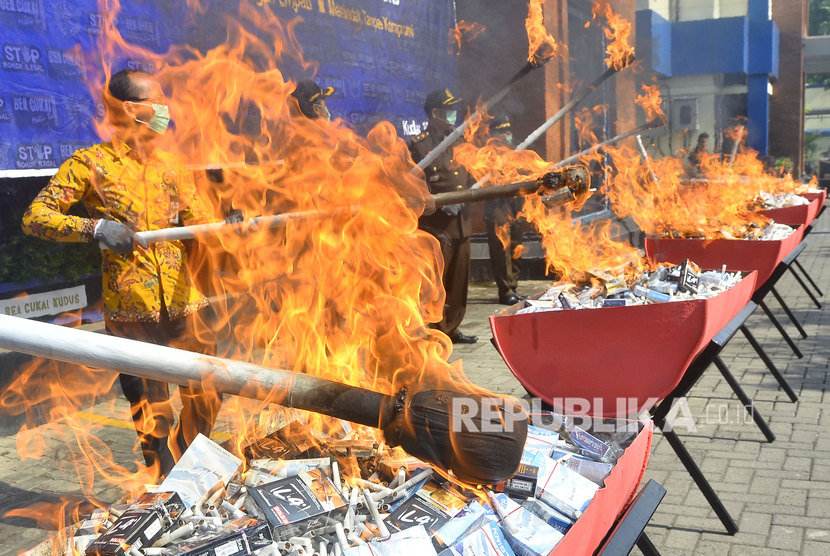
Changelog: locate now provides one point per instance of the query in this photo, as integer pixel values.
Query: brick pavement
(778, 493)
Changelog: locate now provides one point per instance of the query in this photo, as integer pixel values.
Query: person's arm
(46, 217)
(194, 210)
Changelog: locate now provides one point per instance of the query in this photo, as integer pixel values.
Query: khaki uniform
(453, 231)
(497, 214)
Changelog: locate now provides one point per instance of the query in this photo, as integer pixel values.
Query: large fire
(343, 294)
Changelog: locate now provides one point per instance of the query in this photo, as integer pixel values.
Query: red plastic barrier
(799, 215)
(611, 500)
(736, 254)
(636, 353)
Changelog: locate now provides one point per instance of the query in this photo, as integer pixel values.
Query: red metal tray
(799, 215)
(822, 197)
(636, 353)
(736, 254)
(611, 500)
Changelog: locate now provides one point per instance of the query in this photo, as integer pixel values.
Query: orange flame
(651, 102)
(719, 205)
(345, 295)
(541, 45)
(619, 52)
(464, 31)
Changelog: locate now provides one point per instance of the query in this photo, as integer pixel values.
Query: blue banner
(381, 56)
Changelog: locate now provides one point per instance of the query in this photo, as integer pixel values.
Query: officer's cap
(500, 124)
(440, 98)
(310, 92)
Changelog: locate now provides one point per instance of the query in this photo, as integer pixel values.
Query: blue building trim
(735, 45)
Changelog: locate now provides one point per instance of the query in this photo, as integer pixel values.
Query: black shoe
(459, 338)
(510, 299)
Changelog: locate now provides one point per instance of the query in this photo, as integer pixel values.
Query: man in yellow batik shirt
(126, 186)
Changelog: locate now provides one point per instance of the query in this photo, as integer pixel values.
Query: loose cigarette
(214, 498)
(373, 510)
(337, 550)
(213, 511)
(400, 478)
(354, 538)
(335, 472)
(323, 549)
(491, 497)
(153, 551)
(233, 510)
(349, 520)
(301, 541)
(198, 519)
(133, 551)
(401, 489)
(342, 542)
(184, 531)
(370, 485)
(115, 512)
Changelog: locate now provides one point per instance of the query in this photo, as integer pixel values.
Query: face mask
(160, 119)
(451, 117)
(322, 111)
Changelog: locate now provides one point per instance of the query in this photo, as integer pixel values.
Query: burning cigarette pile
(766, 200)
(666, 283)
(357, 499)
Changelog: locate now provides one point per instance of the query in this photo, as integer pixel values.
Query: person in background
(312, 99)
(500, 217)
(697, 156)
(450, 224)
(128, 185)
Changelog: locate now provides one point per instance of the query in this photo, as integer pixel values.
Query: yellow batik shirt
(112, 183)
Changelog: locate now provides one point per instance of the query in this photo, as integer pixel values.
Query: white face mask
(322, 111)
(451, 117)
(160, 119)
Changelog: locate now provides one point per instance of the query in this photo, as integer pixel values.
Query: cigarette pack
(689, 280)
(239, 537)
(527, 534)
(448, 502)
(414, 512)
(641, 291)
(589, 444)
(538, 441)
(557, 520)
(462, 523)
(414, 540)
(487, 540)
(289, 505)
(562, 489)
(139, 526)
(617, 302)
(202, 466)
(522, 484)
(594, 471)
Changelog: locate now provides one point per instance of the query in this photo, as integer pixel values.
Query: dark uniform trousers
(150, 404)
(497, 214)
(451, 230)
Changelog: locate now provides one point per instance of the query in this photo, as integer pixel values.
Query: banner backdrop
(382, 57)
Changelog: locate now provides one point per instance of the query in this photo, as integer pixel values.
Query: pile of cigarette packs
(666, 283)
(357, 500)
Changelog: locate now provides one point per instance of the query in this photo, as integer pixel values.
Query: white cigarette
(342, 542)
(233, 510)
(335, 473)
(354, 538)
(373, 510)
(133, 551)
(153, 551)
(400, 490)
(370, 485)
(184, 531)
(301, 541)
(197, 519)
(491, 497)
(215, 496)
(323, 549)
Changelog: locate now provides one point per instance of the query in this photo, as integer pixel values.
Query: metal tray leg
(780, 329)
(770, 365)
(748, 405)
(789, 313)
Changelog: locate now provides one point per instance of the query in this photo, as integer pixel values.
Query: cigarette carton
(291, 504)
(416, 512)
(239, 537)
(562, 489)
(527, 534)
(414, 540)
(140, 525)
(201, 467)
(557, 520)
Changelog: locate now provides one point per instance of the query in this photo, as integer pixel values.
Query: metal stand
(660, 411)
(630, 528)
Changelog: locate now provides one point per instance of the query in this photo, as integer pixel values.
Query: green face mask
(160, 119)
(451, 117)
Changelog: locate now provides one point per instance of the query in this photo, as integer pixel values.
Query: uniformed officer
(450, 224)
(312, 99)
(501, 214)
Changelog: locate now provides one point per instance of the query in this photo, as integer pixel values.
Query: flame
(719, 205)
(651, 102)
(464, 31)
(345, 293)
(619, 52)
(541, 45)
